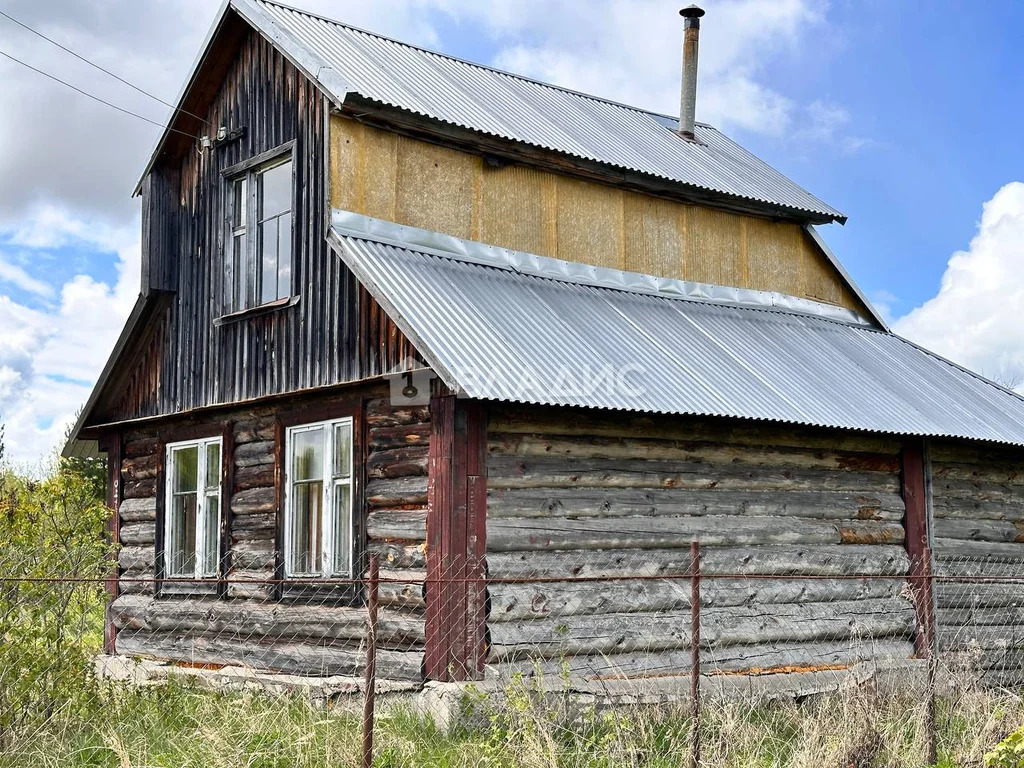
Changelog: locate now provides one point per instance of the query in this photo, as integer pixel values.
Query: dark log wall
(978, 528)
(334, 333)
(244, 621)
(606, 495)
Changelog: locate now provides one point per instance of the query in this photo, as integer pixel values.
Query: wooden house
(496, 330)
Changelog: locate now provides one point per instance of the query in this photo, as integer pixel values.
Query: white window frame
(202, 495)
(330, 483)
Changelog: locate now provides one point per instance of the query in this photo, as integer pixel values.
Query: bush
(1009, 753)
(53, 558)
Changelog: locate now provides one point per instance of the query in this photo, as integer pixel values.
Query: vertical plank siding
(334, 333)
(978, 530)
(613, 496)
(244, 620)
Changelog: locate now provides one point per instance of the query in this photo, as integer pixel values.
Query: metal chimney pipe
(688, 96)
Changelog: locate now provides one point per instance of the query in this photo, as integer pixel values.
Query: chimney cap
(691, 12)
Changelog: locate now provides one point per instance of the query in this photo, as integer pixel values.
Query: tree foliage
(53, 559)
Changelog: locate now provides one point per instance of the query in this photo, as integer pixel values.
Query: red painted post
(694, 654)
(916, 523)
(439, 514)
(370, 673)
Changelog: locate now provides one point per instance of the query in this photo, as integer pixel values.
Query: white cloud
(15, 275)
(975, 317)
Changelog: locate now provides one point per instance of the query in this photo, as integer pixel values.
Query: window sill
(262, 309)
(184, 588)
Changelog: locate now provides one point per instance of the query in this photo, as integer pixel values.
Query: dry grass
(183, 726)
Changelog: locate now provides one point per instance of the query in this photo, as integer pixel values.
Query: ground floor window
(318, 534)
(192, 514)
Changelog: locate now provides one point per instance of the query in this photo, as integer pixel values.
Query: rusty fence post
(370, 678)
(694, 654)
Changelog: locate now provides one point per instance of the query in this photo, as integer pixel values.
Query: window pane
(305, 530)
(276, 190)
(182, 546)
(342, 450)
(212, 543)
(342, 538)
(237, 290)
(238, 202)
(284, 256)
(268, 261)
(184, 469)
(308, 453)
(213, 465)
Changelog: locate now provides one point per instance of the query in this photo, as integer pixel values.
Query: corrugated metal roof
(505, 333)
(344, 59)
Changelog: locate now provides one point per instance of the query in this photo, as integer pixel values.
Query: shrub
(1009, 753)
(53, 557)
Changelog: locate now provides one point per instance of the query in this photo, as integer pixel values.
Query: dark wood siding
(335, 332)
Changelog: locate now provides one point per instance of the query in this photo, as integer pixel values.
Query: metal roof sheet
(343, 59)
(515, 332)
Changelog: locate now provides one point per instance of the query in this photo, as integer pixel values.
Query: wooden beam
(456, 540)
(113, 445)
(916, 489)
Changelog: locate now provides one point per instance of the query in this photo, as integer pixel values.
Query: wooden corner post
(917, 522)
(456, 539)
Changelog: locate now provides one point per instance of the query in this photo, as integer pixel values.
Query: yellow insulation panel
(388, 176)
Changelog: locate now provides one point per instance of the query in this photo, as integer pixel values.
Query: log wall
(978, 529)
(598, 495)
(251, 620)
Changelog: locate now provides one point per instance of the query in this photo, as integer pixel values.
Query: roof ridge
(463, 250)
(477, 64)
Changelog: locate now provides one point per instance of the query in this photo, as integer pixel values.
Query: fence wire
(643, 657)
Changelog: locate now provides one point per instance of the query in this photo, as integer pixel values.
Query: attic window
(259, 250)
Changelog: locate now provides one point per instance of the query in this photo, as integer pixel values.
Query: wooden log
(952, 549)
(1005, 473)
(381, 413)
(395, 437)
(139, 489)
(985, 638)
(254, 501)
(977, 509)
(138, 534)
(138, 510)
(505, 472)
(980, 530)
(398, 555)
(503, 418)
(404, 491)
(256, 526)
(141, 467)
(970, 490)
(136, 559)
(870, 532)
(256, 586)
(288, 658)
(259, 621)
(970, 616)
(966, 595)
(252, 432)
(258, 476)
(408, 461)
(790, 657)
(961, 452)
(964, 567)
(143, 446)
(617, 502)
(592, 447)
(254, 454)
(259, 555)
(520, 534)
(397, 525)
(775, 560)
(402, 588)
(137, 582)
(517, 602)
(747, 624)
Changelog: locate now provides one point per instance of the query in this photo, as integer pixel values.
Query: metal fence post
(370, 678)
(694, 654)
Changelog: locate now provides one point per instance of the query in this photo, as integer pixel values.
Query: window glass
(319, 503)
(276, 190)
(192, 514)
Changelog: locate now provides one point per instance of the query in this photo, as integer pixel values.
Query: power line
(78, 56)
(91, 96)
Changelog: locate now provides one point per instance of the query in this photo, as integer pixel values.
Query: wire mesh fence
(648, 657)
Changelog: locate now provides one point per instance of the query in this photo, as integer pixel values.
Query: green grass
(180, 725)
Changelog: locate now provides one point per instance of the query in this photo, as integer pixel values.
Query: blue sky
(905, 115)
